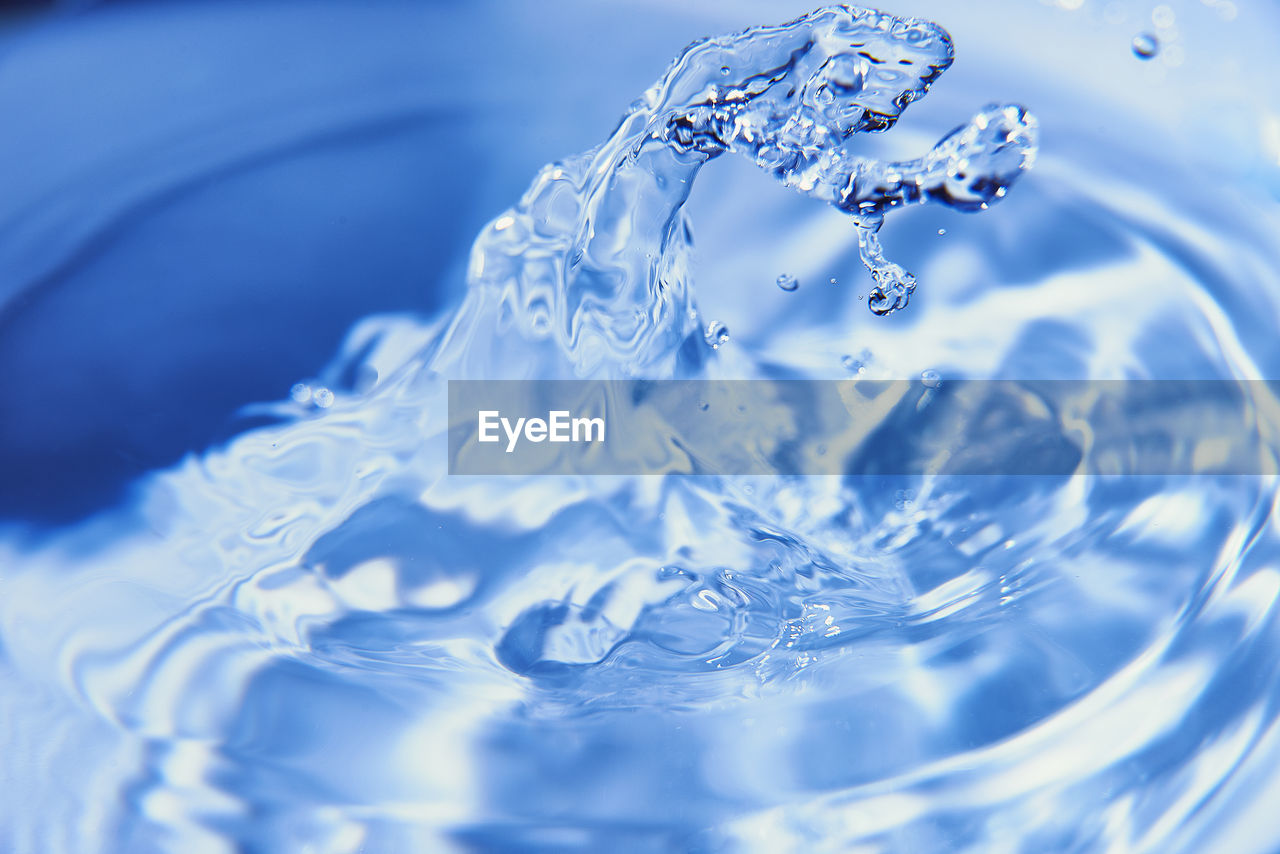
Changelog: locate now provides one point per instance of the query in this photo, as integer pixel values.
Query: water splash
(340, 646)
(593, 260)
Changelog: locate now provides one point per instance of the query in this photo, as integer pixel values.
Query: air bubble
(930, 379)
(300, 393)
(322, 398)
(1145, 46)
(788, 282)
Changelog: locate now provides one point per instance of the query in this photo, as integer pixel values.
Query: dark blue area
(222, 294)
(202, 198)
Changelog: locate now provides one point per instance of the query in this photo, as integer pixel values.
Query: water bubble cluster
(304, 394)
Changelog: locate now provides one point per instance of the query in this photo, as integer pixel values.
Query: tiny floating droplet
(832, 280)
(717, 334)
(788, 283)
(323, 398)
(941, 231)
(1145, 46)
(724, 70)
(930, 379)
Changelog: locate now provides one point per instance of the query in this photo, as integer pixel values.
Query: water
(594, 257)
(312, 636)
(1145, 46)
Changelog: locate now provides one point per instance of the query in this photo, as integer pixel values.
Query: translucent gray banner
(893, 427)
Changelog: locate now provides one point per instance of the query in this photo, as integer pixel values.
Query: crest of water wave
(593, 260)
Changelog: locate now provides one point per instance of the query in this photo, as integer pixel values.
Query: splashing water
(315, 637)
(594, 258)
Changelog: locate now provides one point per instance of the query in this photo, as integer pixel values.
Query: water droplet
(941, 231)
(788, 282)
(930, 379)
(724, 70)
(833, 280)
(717, 334)
(856, 364)
(322, 398)
(1145, 46)
(301, 393)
